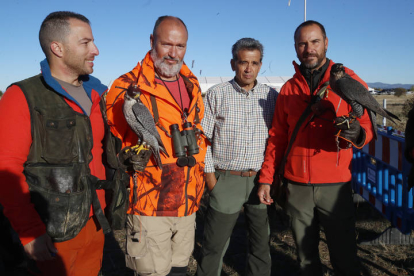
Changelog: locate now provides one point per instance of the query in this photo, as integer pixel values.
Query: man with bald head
(161, 215)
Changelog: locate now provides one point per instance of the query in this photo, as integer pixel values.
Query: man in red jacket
(316, 173)
(51, 152)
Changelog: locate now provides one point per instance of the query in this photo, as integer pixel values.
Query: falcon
(357, 96)
(140, 119)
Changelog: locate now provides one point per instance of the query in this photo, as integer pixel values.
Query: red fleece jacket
(314, 157)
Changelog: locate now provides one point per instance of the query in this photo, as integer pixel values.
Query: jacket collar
(325, 77)
(89, 83)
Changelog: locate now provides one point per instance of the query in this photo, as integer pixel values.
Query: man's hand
(210, 181)
(264, 194)
(41, 248)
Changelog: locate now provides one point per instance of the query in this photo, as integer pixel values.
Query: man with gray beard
(163, 202)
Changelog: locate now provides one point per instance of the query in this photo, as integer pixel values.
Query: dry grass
(396, 105)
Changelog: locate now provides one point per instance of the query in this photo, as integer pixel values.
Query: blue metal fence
(379, 175)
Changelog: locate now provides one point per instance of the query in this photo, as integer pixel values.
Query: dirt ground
(378, 259)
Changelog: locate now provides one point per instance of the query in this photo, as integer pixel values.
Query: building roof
(273, 81)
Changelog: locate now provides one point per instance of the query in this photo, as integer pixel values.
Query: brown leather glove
(139, 161)
(350, 133)
(124, 158)
(131, 161)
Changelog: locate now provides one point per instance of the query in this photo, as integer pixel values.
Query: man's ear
(152, 41)
(233, 64)
(57, 48)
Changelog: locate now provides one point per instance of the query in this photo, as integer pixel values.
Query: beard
(313, 65)
(164, 69)
(77, 64)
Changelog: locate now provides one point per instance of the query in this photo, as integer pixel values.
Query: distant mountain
(388, 86)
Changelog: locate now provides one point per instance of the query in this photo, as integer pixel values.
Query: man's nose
(172, 52)
(95, 50)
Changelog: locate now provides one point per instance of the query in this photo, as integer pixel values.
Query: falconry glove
(131, 160)
(350, 133)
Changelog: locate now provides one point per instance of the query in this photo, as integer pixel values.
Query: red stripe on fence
(372, 199)
(386, 149)
(371, 146)
(400, 156)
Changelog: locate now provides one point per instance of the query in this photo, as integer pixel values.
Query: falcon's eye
(133, 90)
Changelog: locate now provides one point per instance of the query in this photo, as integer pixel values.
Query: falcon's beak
(137, 95)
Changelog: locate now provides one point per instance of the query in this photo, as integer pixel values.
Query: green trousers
(331, 206)
(227, 198)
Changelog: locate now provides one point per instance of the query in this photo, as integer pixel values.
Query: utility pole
(305, 9)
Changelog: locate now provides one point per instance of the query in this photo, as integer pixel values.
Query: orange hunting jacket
(173, 191)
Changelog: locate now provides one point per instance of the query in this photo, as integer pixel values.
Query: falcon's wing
(144, 117)
(355, 91)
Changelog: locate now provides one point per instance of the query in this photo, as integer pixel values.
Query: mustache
(310, 55)
(170, 58)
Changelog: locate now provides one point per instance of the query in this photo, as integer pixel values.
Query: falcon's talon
(137, 148)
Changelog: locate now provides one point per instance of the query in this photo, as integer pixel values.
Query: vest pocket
(58, 138)
(64, 214)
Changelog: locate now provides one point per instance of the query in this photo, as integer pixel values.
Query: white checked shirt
(237, 122)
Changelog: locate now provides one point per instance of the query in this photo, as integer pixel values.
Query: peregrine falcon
(140, 119)
(357, 96)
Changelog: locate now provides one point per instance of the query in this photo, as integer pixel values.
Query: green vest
(61, 186)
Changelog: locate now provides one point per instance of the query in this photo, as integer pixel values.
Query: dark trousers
(331, 206)
(227, 198)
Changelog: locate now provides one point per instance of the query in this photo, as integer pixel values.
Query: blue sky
(375, 38)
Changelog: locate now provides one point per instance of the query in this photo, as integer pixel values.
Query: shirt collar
(237, 87)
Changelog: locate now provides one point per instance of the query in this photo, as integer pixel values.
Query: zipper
(309, 132)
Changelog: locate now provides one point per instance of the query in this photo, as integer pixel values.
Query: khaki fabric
(155, 244)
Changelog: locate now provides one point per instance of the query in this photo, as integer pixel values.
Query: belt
(240, 173)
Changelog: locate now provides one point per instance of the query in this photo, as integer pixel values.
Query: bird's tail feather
(157, 157)
(164, 150)
(390, 115)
